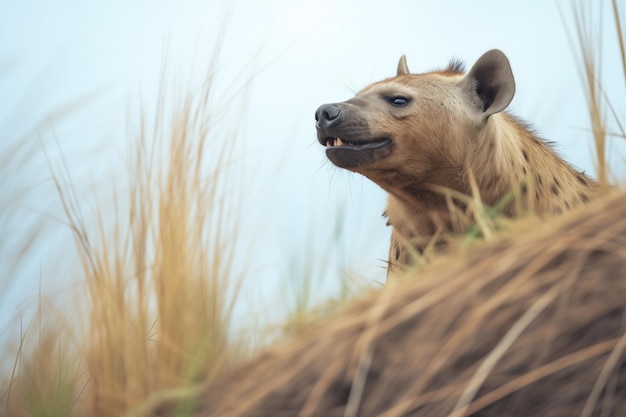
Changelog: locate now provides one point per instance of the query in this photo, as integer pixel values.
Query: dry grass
(160, 285)
(527, 325)
(587, 42)
(488, 333)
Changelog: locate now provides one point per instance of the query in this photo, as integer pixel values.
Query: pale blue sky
(109, 55)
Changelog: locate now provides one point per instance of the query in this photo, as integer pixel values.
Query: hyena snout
(328, 116)
(344, 129)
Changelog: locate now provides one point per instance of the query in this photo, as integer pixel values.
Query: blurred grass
(160, 284)
(156, 317)
(161, 278)
(587, 44)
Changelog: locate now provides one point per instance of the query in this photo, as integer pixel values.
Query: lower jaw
(350, 157)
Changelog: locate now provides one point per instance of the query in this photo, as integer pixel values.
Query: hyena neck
(509, 163)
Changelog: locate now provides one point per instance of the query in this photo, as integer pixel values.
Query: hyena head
(416, 129)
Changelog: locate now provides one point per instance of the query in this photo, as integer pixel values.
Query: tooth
(339, 142)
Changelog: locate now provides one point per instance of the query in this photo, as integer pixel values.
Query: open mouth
(352, 154)
(331, 142)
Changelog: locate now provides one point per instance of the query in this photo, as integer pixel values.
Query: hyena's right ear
(491, 79)
(403, 68)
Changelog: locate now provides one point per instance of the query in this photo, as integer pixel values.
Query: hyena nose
(328, 115)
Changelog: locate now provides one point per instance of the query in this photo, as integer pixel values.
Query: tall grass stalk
(160, 282)
(588, 44)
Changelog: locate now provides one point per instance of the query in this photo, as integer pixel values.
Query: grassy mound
(530, 325)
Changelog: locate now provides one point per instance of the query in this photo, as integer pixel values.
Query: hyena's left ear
(403, 68)
(491, 79)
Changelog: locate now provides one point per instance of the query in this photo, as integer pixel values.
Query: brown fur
(531, 325)
(451, 129)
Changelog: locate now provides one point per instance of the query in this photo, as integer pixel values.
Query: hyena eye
(399, 101)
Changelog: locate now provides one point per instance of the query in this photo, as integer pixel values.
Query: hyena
(418, 134)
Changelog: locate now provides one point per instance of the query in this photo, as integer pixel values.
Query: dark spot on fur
(397, 253)
(554, 189)
(491, 145)
(556, 181)
(538, 180)
(493, 181)
(524, 170)
(567, 206)
(584, 198)
(558, 210)
(525, 155)
(537, 194)
(524, 188)
(581, 179)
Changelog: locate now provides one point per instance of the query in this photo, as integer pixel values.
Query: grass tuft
(159, 284)
(587, 44)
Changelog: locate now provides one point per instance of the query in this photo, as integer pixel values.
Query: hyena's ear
(491, 79)
(403, 68)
